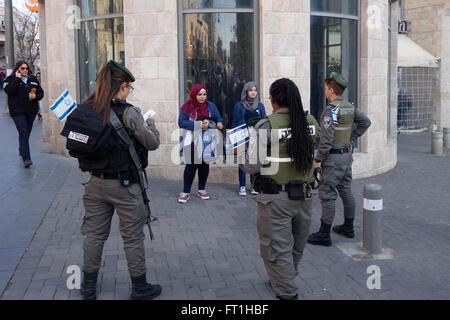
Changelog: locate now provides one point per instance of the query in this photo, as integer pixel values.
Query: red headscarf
(193, 107)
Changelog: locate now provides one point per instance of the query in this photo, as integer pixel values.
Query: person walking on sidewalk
(283, 182)
(192, 118)
(335, 157)
(114, 180)
(248, 108)
(24, 91)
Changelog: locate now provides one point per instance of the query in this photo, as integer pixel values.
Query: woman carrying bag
(24, 92)
(248, 108)
(195, 117)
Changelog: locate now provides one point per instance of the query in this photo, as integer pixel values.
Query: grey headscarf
(249, 104)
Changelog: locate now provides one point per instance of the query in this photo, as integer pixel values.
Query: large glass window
(218, 51)
(348, 7)
(99, 40)
(334, 48)
(100, 7)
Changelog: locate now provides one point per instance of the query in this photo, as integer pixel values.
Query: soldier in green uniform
(283, 182)
(341, 124)
(114, 181)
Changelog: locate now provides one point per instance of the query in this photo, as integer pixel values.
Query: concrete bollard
(372, 209)
(437, 143)
(446, 137)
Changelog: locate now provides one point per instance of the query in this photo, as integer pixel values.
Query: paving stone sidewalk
(209, 249)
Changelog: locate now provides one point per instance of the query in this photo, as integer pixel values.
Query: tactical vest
(343, 114)
(280, 124)
(97, 146)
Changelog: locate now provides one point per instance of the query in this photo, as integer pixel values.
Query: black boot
(141, 290)
(322, 237)
(89, 288)
(345, 229)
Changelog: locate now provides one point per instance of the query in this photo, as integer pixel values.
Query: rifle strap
(121, 131)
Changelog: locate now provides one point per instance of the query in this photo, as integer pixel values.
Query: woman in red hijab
(192, 119)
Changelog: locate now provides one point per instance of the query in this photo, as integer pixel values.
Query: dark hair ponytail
(109, 80)
(285, 93)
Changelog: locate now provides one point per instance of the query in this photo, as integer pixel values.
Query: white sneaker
(242, 191)
(203, 194)
(252, 191)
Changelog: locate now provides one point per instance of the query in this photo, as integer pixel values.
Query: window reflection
(334, 47)
(337, 6)
(225, 4)
(100, 41)
(100, 7)
(219, 54)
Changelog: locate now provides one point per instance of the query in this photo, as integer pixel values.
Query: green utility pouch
(298, 190)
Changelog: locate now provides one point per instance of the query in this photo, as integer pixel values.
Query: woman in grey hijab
(248, 108)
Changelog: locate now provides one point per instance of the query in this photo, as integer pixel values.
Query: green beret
(339, 79)
(113, 63)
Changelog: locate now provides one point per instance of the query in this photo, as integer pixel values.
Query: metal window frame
(77, 40)
(181, 39)
(336, 15)
(103, 16)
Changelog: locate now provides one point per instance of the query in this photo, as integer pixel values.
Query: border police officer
(283, 182)
(341, 124)
(113, 183)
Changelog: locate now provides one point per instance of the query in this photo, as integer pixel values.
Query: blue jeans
(242, 176)
(24, 124)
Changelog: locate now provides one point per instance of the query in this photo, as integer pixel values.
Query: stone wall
(444, 110)
(378, 151)
(60, 72)
(285, 46)
(151, 42)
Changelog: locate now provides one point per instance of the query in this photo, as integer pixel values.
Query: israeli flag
(64, 106)
(239, 135)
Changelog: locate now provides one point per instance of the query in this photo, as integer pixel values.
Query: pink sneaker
(184, 197)
(203, 194)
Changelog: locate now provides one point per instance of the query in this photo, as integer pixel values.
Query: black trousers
(24, 124)
(189, 175)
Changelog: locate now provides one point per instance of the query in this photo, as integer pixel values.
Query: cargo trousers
(283, 227)
(336, 179)
(101, 198)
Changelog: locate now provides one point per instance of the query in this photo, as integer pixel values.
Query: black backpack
(87, 135)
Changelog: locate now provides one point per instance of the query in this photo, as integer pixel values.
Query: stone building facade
(429, 26)
(274, 35)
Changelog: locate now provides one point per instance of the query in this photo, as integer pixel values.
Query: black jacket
(18, 91)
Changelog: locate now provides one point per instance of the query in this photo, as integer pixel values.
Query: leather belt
(340, 151)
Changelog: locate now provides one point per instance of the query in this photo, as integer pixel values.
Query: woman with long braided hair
(283, 180)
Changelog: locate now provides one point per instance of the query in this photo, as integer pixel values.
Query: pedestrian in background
(404, 105)
(38, 76)
(283, 181)
(248, 108)
(24, 91)
(193, 118)
(340, 125)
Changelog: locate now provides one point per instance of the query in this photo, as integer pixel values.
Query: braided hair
(285, 93)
